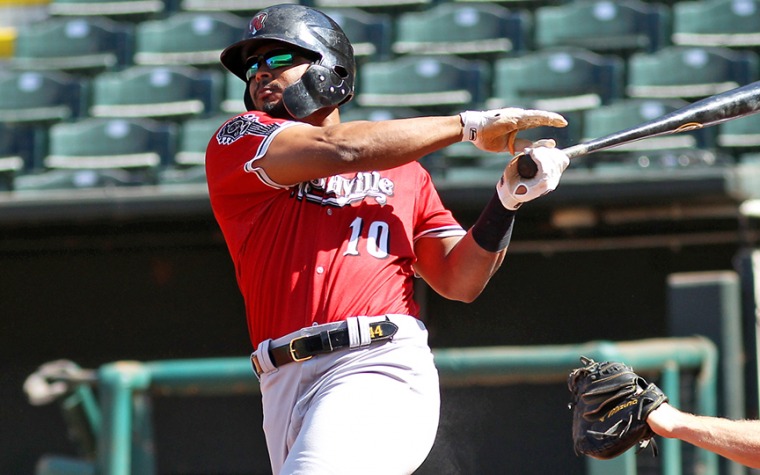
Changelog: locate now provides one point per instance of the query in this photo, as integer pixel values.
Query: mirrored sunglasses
(273, 60)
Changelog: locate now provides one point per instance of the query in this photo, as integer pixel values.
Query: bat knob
(526, 167)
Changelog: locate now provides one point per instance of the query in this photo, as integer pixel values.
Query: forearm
(301, 154)
(366, 146)
(464, 266)
(463, 271)
(736, 440)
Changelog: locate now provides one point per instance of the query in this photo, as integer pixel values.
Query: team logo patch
(257, 23)
(241, 126)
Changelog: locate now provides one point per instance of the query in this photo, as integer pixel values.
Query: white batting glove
(496, 130)
(515, 190)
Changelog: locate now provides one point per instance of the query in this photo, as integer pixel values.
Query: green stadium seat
(731, 23)
(741, 135)
(559, 79)
(194, 39)
(157, 91)
(78, 45)
(689, 72)
(627, 113)
(353, 112)
(15, 153)
(564, 80)
(91, 144)
(238, 7)
(96, 153)
(603, 26)
(462, 29)
(183, 176)
(370, 33)
(22, 146)
(393, 7)
(424, 82)
(36, 97)
(194, 136)
(128, 10)
(233, 95)
(75, 179)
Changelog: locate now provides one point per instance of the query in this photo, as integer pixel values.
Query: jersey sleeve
(433, 219)
(231, 157)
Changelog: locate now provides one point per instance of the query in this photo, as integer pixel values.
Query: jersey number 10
(377, 239)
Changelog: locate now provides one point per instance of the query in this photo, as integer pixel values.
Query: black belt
(304, 348)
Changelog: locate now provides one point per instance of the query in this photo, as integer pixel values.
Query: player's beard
(276, 109)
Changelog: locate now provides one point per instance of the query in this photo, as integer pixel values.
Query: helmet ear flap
(319, 87)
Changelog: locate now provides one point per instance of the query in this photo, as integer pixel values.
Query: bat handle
(526, 167)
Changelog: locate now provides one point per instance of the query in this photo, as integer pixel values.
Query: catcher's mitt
(610, 405)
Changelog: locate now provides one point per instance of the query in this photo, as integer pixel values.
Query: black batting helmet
(327, 82)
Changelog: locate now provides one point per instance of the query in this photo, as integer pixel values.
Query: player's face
(271, 69)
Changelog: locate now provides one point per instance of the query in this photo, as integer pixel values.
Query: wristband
(493, 229)
(472, 122)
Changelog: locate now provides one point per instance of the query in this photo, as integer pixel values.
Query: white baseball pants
(365, 411)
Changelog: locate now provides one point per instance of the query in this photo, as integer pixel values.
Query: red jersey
(319, 251)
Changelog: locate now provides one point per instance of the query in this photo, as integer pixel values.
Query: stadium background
(111, 262)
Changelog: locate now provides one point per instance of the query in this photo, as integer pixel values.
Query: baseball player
(328, 224)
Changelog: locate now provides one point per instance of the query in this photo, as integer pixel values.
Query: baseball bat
(739, 102)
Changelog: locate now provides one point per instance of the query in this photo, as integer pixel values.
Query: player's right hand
(514, 190)
(496, 130)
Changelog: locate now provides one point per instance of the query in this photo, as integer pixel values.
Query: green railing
(118, 432)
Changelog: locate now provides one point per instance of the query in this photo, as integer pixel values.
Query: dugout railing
(115, 428)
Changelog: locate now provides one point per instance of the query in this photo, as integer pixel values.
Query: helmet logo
(257, 23)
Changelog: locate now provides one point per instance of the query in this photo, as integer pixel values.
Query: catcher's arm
(736, 440)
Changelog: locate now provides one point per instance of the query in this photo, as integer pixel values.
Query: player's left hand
(515, 190)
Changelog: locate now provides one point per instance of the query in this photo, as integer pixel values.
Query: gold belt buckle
(256, 365)
(293, 351)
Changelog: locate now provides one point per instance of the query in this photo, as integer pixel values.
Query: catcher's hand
(496, 130)
(610, 405)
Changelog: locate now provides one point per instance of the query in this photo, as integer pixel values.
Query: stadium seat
(689, 72)
(128, 10)
(740, 135)
(560, 79)
(17, 13)
(423, 82)
(194, 136)
(76, 179)
(94, 143)
(78, 45)
(354, 112)
(627, 113)
(603, 26)
(233, 95)
(40, 96)
(564, 80)
(393, 7)
(370, 33)
(96, 153)
(15, 153)
(462, 29)
(238, 7)
(731, 23)
(156, 91)
(194, 39)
